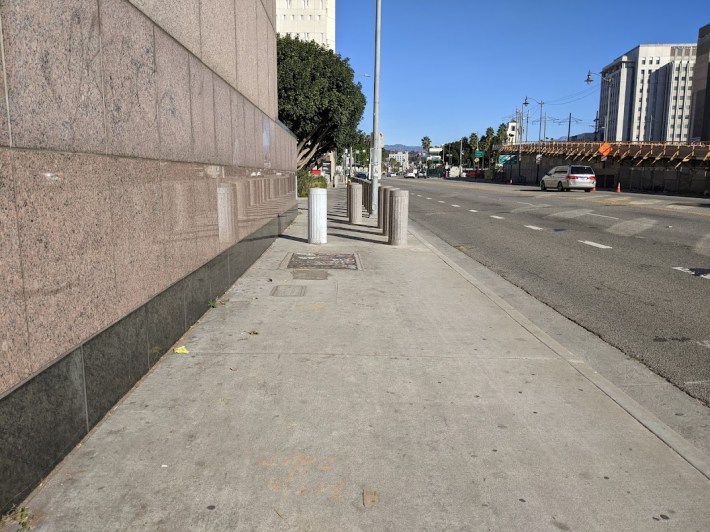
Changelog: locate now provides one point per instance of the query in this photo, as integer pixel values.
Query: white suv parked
(571, 177)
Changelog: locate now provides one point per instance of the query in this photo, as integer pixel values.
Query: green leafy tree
(319, 100)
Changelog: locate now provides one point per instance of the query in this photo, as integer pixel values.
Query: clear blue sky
(454, 67)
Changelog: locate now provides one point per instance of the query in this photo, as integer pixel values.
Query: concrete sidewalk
(388, 390)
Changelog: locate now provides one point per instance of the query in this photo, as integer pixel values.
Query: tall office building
(309, 20)
(700, 117)
(646, 94)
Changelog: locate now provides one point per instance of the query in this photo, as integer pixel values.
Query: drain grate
(310, 275)
(323, 261)
(285, 290)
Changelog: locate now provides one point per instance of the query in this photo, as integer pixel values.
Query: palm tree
(426, 144)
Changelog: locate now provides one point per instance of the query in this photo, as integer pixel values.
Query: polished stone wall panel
(173, 91)
(41, 421)
(4, 126)
(219, 275)
(217, 30)
(272, 107)
(247, 66)
(206, 223)
(238, 135)
(197, 294)
(179, 18)
(223, 120)
(15, 363)
(202, 108)
(165, 320)
(179, 225)
(250, 128)
(128, 45)
(67, 251)
(113, 362)
(53, 68)
(138, 232)
(263, 36)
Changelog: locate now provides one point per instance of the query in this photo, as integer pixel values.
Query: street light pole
(376, 164)
(607, 80)
(526, 103)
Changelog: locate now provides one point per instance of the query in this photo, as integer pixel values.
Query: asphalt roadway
(633, 269)
(360, 386)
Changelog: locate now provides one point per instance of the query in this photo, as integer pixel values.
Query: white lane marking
(530, 207)
(472, 210)
(604, 216)
(534, 227)
(419, 195)
(698, 382)
(440, 201)
(691, 272)
(428, 198)
(594, 244)
(455, 205)
(526, 203)
(631, 227)
(704, 343)
(570, 214)
(498, 217)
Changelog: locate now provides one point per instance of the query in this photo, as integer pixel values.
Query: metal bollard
(380, 207)
(386, 213)
(355, 205)
(399, 218)
(317, 216)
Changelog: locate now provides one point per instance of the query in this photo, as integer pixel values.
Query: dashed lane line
(440, 201)
(497, 217)
(534, 227)
(594, 244)
(695, 272)
(603, 216)
(472, 210)
(455, 205)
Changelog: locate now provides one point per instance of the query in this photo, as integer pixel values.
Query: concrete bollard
(399, 217)
(386, 209)
(347, 199)
(317, 216)
(355, 205)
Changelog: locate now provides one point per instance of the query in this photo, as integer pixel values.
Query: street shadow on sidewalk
(360, 228)
(294, 238)
(359, 239)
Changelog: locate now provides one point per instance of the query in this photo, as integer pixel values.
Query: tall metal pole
(608, 105)
(377, 149)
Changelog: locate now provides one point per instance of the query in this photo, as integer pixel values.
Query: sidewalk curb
(654, 425)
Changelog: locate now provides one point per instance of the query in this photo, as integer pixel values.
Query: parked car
(362, 175)
(410, 175)
(474, 173)
(571, 177)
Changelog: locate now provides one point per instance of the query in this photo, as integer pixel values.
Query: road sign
(476, 160)
(605, 149)
(478, 153)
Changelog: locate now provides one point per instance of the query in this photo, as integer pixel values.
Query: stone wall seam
(6, 94)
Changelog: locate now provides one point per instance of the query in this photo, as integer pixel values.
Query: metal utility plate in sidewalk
(323, 261)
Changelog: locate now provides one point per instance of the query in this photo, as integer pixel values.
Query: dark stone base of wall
(42, 420)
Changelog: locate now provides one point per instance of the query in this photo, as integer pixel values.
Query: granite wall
(142, 170)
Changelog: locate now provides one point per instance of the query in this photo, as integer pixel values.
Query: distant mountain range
(402, 147)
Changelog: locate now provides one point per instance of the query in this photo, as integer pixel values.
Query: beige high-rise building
(309, 20)
(700, 118)
(646, 94)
